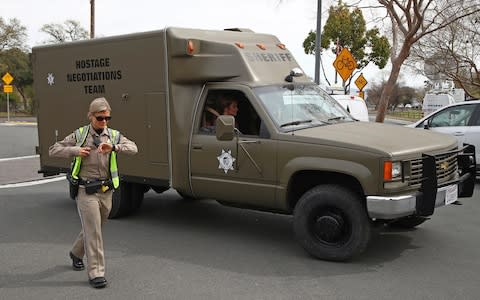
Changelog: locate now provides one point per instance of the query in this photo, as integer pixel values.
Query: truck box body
(435, 101)
(131, 71)
(288, 146)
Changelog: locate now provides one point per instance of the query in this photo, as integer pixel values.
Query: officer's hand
(105, 148)
(84, 151)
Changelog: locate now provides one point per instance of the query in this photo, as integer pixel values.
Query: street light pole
(317, 42)
(92, 19)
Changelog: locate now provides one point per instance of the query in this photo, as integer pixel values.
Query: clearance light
(190, 48)
(240, 45)
(281, 46)
(262, 46)
(387, 170)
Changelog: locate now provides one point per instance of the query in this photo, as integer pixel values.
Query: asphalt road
(17, 140)
(177, 249)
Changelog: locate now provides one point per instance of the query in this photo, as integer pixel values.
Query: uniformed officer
(95, 170)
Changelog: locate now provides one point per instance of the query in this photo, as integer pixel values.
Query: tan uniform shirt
(95, 165)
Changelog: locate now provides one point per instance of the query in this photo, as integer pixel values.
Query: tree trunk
(24, 99)
(392, 79)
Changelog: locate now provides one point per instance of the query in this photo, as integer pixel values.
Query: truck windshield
(296, 106)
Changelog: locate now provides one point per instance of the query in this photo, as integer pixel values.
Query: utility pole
(92, 19)
(317, 42)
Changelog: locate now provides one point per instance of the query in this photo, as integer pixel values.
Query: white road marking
(18, 123)
(19, 157)
(34, 182)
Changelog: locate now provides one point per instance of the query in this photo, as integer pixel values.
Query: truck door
(239, 171)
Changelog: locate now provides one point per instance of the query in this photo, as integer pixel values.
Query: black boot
(98, 282)
(77, 263)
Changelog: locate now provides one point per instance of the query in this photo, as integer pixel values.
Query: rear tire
(122, 201)
(137, 194)
(331, 223)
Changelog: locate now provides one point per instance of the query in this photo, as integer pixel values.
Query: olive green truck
(289, 148)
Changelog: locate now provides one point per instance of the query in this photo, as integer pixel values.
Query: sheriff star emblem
(50, 79)
(226, 160)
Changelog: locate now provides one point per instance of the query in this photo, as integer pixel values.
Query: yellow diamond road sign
(345, 64)
(361, 82)
(7, 78)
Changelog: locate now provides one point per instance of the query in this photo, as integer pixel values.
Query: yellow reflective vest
(81, 135)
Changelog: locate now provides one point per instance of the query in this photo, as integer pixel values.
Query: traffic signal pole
(317, 42)
(92, 19)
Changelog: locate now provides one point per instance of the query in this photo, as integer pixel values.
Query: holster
(73, 186)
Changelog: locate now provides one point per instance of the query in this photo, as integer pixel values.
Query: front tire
(331, 223)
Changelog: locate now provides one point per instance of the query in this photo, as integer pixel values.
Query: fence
(413, 114)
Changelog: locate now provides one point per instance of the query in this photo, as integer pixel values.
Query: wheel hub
(329, 227)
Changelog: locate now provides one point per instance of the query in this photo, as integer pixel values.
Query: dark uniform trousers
(93, 211)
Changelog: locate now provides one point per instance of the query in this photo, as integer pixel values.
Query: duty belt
(102, 181)
(93, 186)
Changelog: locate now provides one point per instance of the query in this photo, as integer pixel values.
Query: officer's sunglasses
(102, 118)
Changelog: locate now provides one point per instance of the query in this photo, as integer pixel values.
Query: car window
(453, 116)
(475, 119)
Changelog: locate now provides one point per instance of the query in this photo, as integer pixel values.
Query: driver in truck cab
(227, 105)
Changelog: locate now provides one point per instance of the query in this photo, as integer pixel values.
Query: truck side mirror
(224, 128)
(425, 124)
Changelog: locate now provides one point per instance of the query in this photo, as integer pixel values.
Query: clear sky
(290, 21)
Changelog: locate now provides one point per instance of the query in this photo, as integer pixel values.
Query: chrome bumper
(401, 206)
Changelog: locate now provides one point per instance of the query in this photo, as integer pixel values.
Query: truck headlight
(392, 170)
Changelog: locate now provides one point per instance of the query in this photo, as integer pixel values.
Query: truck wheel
(121, 201)
(138, 191)
(159, 189)
(407, 222)
(331, 223)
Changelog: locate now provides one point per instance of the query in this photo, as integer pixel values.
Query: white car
(355, 105)
(461, 120)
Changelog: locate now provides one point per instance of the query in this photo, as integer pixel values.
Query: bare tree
(401, 94)
(453, 53)
(12, 34)
(412, 20)
(70, 30)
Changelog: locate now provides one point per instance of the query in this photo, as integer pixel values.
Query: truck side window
(230, 102)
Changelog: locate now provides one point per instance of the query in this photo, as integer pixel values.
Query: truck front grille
(447, 168)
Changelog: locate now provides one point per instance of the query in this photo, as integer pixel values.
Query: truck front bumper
(394, 207)
(430, 195)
